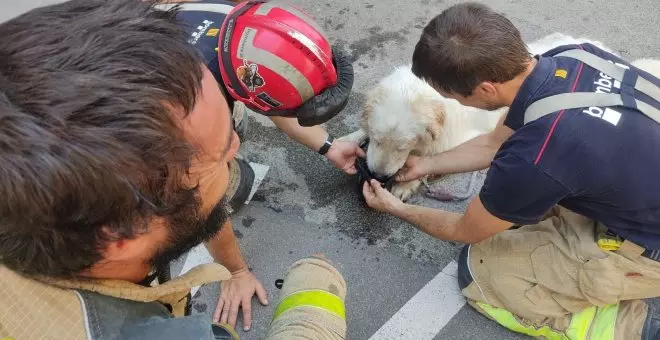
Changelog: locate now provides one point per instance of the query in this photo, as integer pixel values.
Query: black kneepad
(464, 276)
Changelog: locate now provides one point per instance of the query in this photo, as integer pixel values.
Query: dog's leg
(358, 136)
(403, 190)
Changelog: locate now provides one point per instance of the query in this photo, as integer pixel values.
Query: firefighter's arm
(225, 250)
(342, 154)
(238, 291)
(312, 137)
(478, 224)
(475, 225)
(475, 154)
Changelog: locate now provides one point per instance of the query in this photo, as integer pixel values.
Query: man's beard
(187, 229)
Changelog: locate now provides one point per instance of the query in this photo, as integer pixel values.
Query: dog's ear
(431, 111)
(374, 97)
(437, 121)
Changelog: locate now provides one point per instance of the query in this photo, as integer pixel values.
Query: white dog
(553, 40)
(404, 115)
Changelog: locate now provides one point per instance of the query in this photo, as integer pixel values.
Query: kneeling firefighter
(274, 60)
(563, 238)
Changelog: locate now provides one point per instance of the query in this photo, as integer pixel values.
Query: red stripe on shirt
(561, 113)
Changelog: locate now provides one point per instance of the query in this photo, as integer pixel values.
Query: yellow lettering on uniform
(561, 73)
(212, 32)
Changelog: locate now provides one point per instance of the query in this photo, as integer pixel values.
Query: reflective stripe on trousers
(312, 298)
(593, 323)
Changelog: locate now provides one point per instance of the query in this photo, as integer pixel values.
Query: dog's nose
(380, 176)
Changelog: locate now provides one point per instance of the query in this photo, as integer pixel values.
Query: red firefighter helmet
(274, 57)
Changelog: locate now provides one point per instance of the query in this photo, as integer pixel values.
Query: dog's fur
(405, 116)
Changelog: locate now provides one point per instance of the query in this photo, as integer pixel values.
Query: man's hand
(236, 293)
(415, 167)
(380, 199)
(342, 155)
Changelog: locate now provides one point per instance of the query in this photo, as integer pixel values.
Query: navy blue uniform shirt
(203, 29)
(602, 163)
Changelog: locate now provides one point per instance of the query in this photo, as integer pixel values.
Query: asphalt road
(304, 205)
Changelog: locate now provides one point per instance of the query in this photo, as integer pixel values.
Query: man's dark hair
(91, 147)
(468, 44)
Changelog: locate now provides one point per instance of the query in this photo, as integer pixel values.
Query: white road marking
(426, 313)
(260, 171)
(196, 256)
(200, 255)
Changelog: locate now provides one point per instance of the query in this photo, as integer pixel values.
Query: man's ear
(117, 250)
(487, 90)
(431, 111)
(126, 249)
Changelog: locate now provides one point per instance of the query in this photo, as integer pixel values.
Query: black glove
(327, 104)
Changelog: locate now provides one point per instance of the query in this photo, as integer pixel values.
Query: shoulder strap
(617, 72)
(566, 101)
(630, 81)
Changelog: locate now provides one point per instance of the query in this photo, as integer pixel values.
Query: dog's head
(400, 121)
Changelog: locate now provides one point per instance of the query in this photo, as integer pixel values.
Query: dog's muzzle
(364, 174)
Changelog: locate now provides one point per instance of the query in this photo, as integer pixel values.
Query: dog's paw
(358, 136)
(404, 190)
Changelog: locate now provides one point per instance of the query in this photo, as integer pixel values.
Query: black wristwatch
(326, 146)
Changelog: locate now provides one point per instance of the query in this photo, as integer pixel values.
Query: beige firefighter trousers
(544, 273)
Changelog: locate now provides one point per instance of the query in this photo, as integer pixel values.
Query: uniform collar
(171, 292)
(542, 70)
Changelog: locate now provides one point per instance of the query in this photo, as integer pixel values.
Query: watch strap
(326, 145)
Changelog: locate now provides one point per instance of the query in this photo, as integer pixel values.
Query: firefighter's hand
(236, 293)
(415, 168)
(379, 198)
(342, 154)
